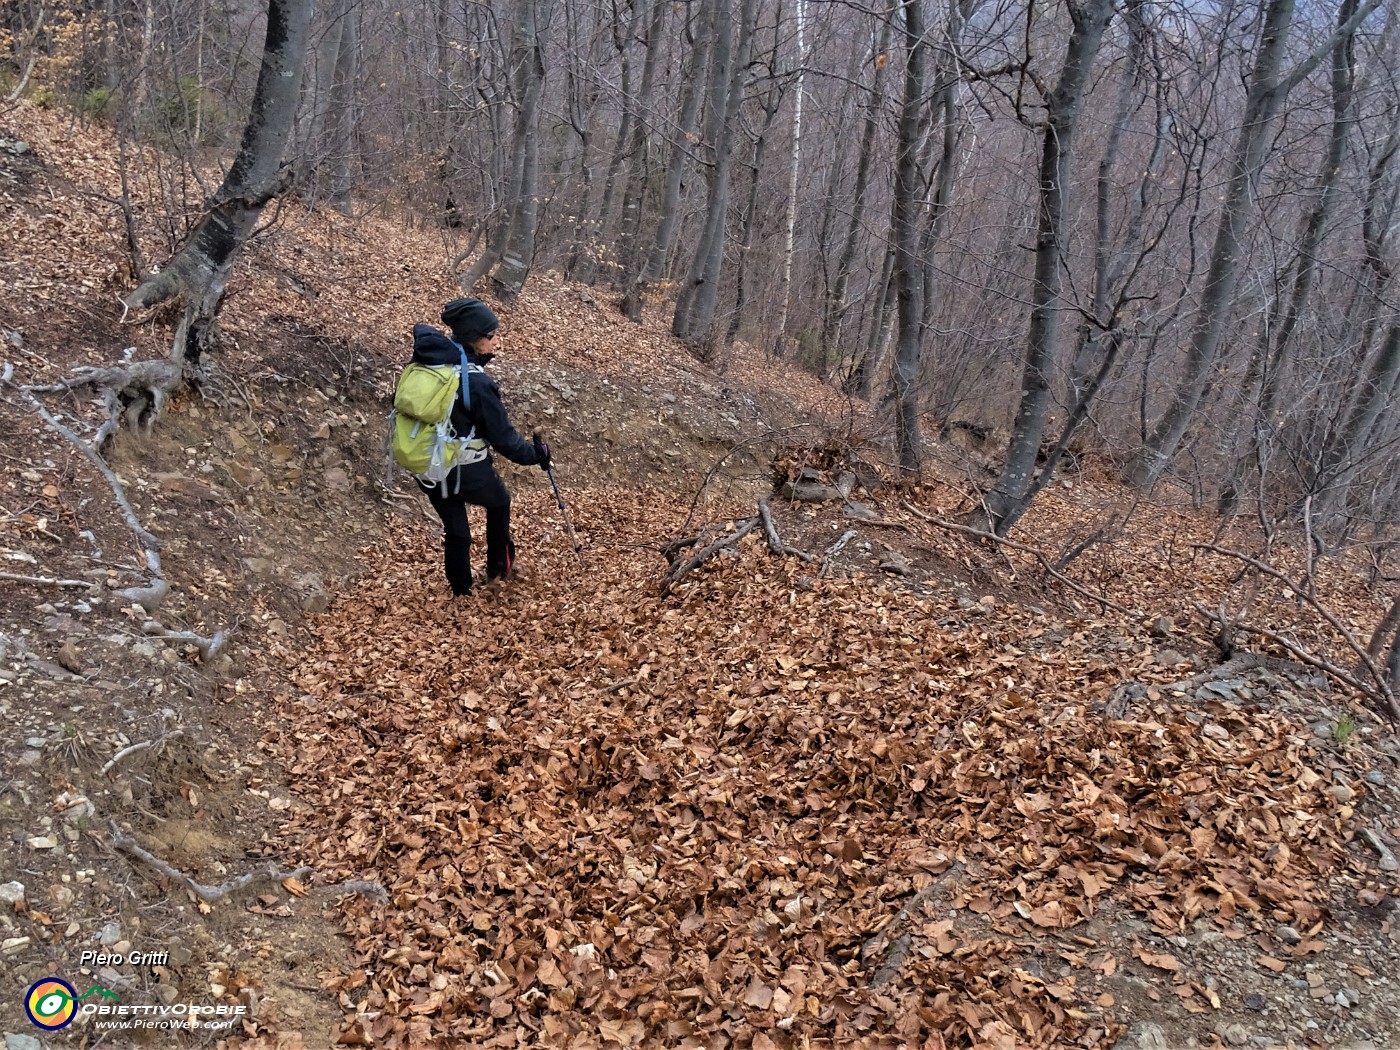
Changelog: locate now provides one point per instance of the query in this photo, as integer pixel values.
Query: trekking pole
(563, 509)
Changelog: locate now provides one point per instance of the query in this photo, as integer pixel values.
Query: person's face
(489, 344)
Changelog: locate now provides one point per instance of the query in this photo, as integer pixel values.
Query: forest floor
(920, 793)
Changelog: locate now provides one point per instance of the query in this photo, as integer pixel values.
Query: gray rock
(1387, 859)
(1375, 776)
(807, 492)
(1288, 935)
(260, 566)
(1144, 1035)
(22, 1042)
(111, 934)
(29, 758)
(1254, 1001)
(12, 892)
(311, 589)
(1161, 627)
(861, 511)
(1353, 997)
(1234, 1034)
(1341, 793)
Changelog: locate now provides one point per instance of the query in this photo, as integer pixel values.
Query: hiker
(475, 331)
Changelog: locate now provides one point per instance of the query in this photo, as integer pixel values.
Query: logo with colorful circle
(52, 1002)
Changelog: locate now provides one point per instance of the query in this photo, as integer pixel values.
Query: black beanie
(469, 319)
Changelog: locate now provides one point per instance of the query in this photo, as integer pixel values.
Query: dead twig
(679, 570)
(1000, 541)
(1381, 691)
(1303, 656)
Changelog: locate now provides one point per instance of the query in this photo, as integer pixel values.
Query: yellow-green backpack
(421, 434)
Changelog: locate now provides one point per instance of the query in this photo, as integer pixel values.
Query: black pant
(480, 486)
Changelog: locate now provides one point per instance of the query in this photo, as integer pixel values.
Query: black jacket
(487, 414)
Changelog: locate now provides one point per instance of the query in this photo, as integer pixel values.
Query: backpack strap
(466, 382)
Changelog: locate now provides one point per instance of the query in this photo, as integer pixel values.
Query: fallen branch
(134, 749)
(1380, 691)
(43, 581)
(1000, 541)
(834, 550)
(679, 570)
(1383, 695)
(892, 943)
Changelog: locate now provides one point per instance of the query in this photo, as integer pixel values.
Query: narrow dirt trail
(769, 811)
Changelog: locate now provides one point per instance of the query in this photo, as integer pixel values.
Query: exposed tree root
(268, 872)
(44, 581)
(208, 647)
(135, 749)
(775, 542)
(151, 382)
(134, 394)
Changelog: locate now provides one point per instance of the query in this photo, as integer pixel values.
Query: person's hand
(542, 456)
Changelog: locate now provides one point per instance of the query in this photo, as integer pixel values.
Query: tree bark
(655, 267)
(907, 274)
(1268, 87)
(1063, 106)
(694, 318)
(200, 268)
(527, 61)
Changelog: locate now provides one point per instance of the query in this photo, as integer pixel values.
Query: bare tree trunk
(750, 220)
(835, 307)
(340, 120)
(695, 308)
(632, 199)
(655, 267)
(1268, 87)
(1063, 105)
(200, 269)
(1272, 362)
(908, 274)
(785, 285)
(527, 60)
(872, 362)
(583, 261)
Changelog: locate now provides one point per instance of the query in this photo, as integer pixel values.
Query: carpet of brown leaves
(612, 819)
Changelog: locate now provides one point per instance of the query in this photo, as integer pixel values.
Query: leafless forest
(1160, 234)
